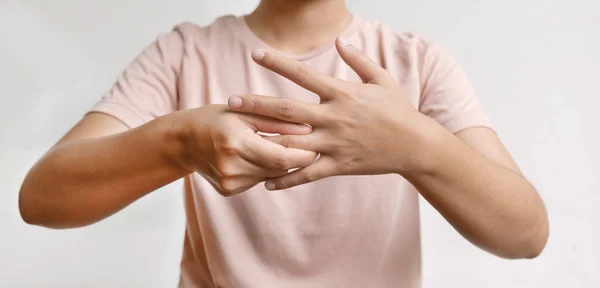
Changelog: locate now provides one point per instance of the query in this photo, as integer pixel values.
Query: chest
(234, 72)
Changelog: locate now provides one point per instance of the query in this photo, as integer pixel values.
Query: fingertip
(270, 185)
(341, 45)
(258, 55)
(345, 45)
(235, 102)
(317, 157)
(304, 128)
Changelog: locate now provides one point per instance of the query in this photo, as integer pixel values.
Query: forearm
(83, 181)
(491, 205)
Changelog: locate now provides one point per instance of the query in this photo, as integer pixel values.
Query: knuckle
(300, 71)
(346, 167)
(287, 142)
(351, 92)
(225, 169)
(286, 110)
(350, 123)
(227, 187)
(281, 163)
(229, 147)
(255, 103)
(382, 75)
(345, 122)
(342, 93)
(326, 115)
(382, 70)
(309, 177)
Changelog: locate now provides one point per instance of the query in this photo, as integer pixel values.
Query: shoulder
(191, 36)
(404, 45)
(406, 55)
(190, 31)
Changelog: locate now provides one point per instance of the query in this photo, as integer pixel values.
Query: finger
(235, 185)
(273, 156)
(242, 167)
(298, 72)
(366, 69)
(310, 142)
(265, 124)
(322, 168)
(275, 107)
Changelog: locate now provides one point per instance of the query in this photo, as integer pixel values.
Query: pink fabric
(359, 231)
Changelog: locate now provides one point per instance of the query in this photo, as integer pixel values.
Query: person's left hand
(358, 128)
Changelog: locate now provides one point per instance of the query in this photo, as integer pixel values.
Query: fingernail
(306, 128)
(258, 54)
(270, 185)
(342, 41)
(235, 102)
(346, 44)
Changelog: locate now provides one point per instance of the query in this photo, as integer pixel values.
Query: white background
(535, 65)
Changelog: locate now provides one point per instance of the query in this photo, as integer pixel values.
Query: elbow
(537, 241)
(536, 236)
(33, 209)
(29, 202)
(26, 211)
(523, 248)
(531, 249)
(29, 217)
(29, 213)
(36, 208)
(529, 235)
(40, 202)
(529, 244)
(34, 213)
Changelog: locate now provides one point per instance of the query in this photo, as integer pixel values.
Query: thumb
(322, 168)
(366, 69)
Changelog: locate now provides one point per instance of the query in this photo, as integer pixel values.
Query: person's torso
(350, 231)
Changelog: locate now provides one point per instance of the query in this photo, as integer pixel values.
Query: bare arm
(478, 188)
(98, 168)
(372, 128)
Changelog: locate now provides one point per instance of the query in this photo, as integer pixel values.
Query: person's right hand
(223, 146)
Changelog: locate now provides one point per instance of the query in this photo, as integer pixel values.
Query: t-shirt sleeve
(147, 88)
(446, 95)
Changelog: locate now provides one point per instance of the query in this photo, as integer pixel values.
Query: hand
(359, 128)
(224, 148)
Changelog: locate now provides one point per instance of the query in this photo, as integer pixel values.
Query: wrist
(426, 140)
(172, 133)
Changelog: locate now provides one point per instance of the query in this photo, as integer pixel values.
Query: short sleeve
(446, 94)
(147, 88)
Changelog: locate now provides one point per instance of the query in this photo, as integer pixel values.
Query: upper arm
(446, 94)
(147, 87)
(448, 97)
(486, 142)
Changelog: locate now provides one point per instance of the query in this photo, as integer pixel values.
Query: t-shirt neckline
(254, 42)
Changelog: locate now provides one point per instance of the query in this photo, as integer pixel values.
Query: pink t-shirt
(350, 231)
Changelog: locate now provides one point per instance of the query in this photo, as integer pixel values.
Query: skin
(468, 177)
(101, 166)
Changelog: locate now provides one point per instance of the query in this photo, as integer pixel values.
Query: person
(350, 120)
